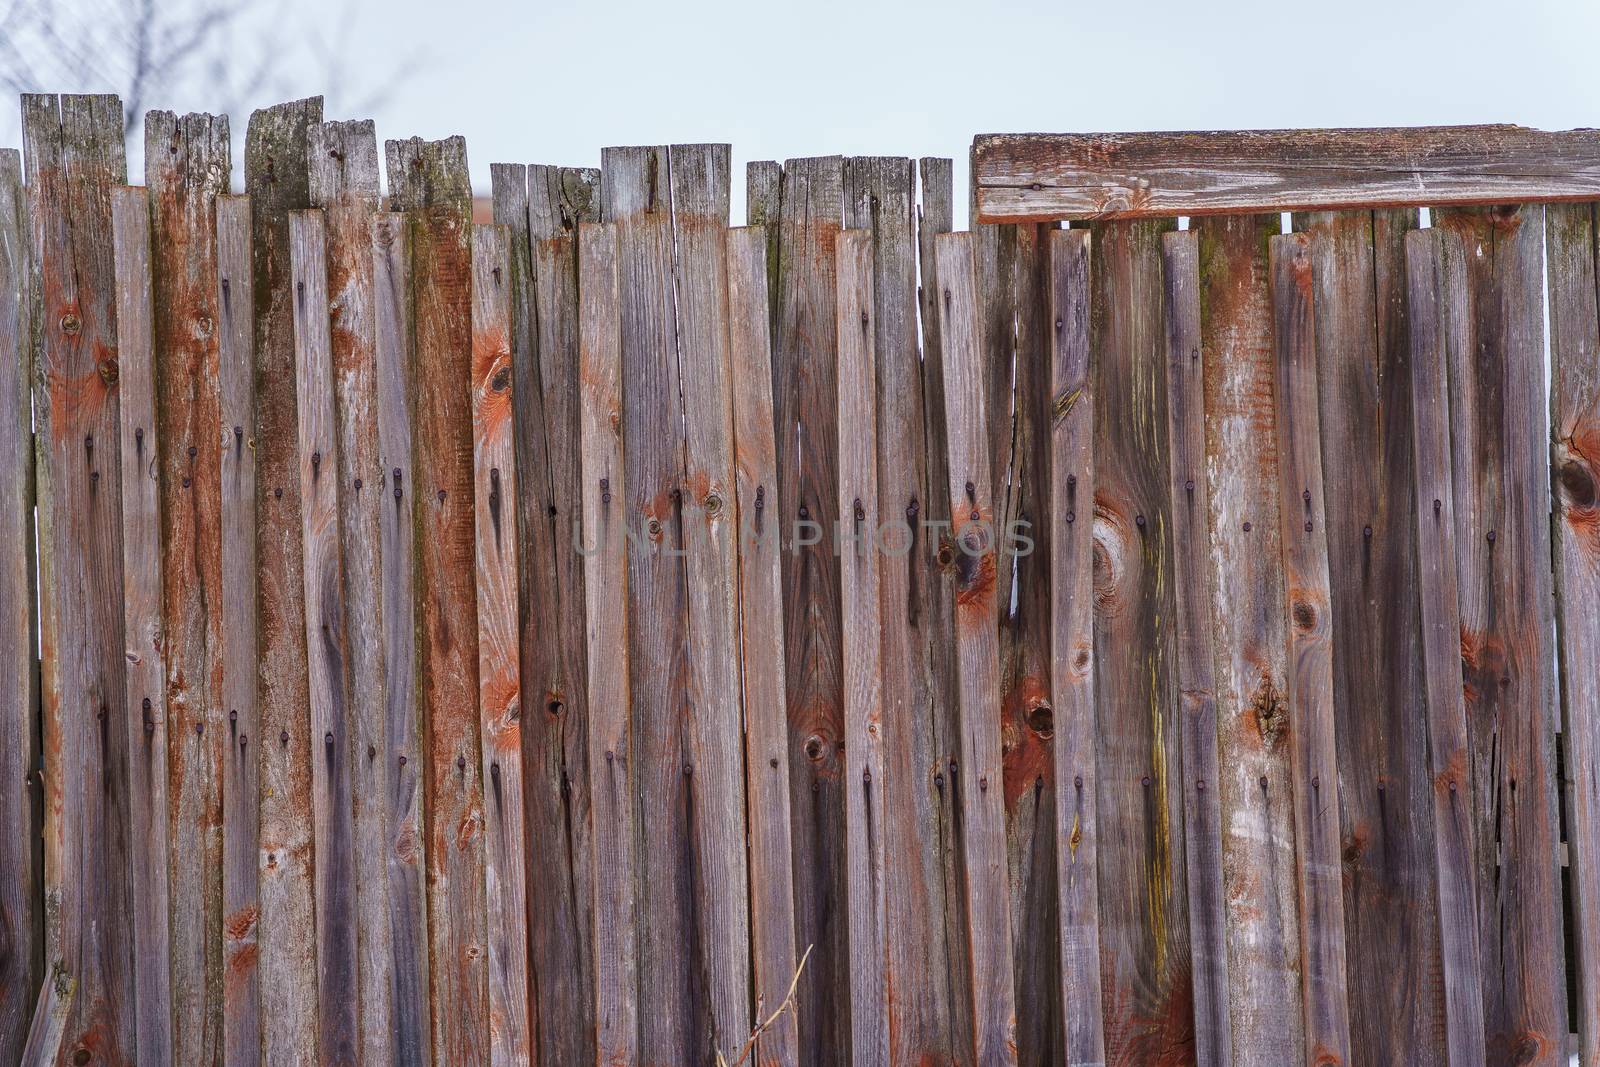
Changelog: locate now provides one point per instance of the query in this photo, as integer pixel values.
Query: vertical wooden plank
(1575, 457)
(74, 159)
(1498, 442)
(772, 930)
(499, 682)
(1013, 279)
(1072, 688)
(605, 546)
(542, 207)
(42, 1046)
(145, 718)
(880, 196)
(241, 831)
(21, 914)
(936, 216)
(186, 166)
(805, 399)
(1440, 617)
(1192, 584)
(1302, 524)
(428, 180)
(1364, 389)
(1144, 924)
(861, 652)
(700, 180)
(327, 647)
(405, 835)
(277, 179)
(1247, 620)
(980, 809)
(343, 158)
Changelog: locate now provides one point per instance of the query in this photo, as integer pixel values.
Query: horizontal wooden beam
(1037, 177)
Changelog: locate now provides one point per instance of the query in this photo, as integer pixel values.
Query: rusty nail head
(1247, 527)
(402, 761)
(327, 738)
(283, 738)
(1077, 781)
(1138, 520)
(1071, 516)
(1366, 531)
(1189, 485)
(1491, 537)
(1263, 783)
(358, 485)
(1308, 526)
(983, 783)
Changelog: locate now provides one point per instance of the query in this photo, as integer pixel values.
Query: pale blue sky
(557, 82)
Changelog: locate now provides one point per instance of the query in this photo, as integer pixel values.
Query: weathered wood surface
(700, 188)
(42, 1044)
(1385, 789)
(1302, 525)
(21, 908)
(145, 719)
(499, 679)
(186, 166)
(428, 181)
(801, 236)
(1439, 614)
(1247, 620)
(1019, 177)
(542, 207)
(946, 923)
(327, 647)
(1575, 459)
(861, 653)
(1493, 268)
(277, 180)
(772, 931)
(1069, 504)
(1195, 648)
(977, 769)
(605, 546)
(241, 837)
(343, 158)
(1144, 924)
(404, 832)
(74, 157)
(669, 207)
(880, 197)
(1012, 280)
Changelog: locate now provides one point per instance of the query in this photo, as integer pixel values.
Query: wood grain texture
(428, 181)
(1247, 620)
(327, 646)
(42, 1046)
(947, 895)
(542, 207)
(499, 680)
(404, 831)
(241, 831)
(1071, 474)
(700, 188)
(861, 653)
(1380, 711)
(1439, 613)
(1302, 525)
(1012, 264)
(1493, 268)
(810, 213)
(145, 719)
(1575, 444)
(669, 206)
(918, 722)
(74, 156)
(1193, 582)
(1145, 175)
(980, 806)
(186, 166)
(772, 931)
(605, 546)
(1144, 924)
(277, 179)
(21, 906)
(343, 158)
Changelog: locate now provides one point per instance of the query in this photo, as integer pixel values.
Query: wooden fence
(561, 640)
